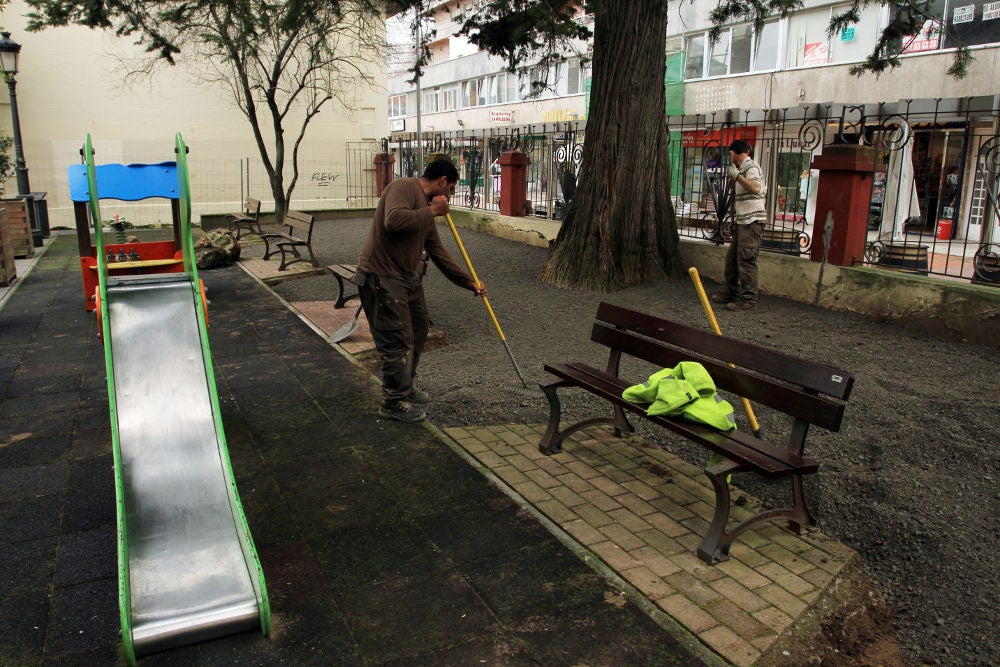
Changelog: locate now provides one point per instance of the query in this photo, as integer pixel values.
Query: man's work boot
(723, 297)
(741, 304)
(419, 396)
(402, 411)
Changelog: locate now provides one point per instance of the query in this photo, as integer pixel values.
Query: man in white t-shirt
(749, 214)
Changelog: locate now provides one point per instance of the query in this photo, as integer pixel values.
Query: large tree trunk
(620, 229)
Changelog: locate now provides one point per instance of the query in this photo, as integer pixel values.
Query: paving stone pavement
(638, 513)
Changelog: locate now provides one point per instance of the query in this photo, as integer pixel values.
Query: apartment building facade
(787, 89)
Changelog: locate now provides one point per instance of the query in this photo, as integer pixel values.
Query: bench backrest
(806, 390)
(299, 224)
(251, 207)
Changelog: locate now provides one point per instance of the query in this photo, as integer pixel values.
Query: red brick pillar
(383, 170)
(844, 188)
(513, 182)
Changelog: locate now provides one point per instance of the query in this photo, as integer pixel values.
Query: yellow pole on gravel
(486, 302)
(693, 272)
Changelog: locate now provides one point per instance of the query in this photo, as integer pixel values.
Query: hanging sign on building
(927, 40)
(497, 117)
(991, 10)
(964, 14)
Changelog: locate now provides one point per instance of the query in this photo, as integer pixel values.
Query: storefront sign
(497, 117)
(558, 116)
(724, 137)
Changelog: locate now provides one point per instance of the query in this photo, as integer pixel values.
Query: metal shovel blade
(346, 330)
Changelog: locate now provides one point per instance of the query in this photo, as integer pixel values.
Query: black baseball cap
(739, 147)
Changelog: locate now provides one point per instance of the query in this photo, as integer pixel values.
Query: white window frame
(726, 41)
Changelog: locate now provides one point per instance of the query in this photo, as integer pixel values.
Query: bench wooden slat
(817, 410)
(811, 375)
(749, 452)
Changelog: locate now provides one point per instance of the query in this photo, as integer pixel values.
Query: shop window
(974, 23)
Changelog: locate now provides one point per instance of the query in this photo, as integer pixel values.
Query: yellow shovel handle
(693, 272)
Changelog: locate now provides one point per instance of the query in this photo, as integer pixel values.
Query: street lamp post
(38, 215)
(9, 54)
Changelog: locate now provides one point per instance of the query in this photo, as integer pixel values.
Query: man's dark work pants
(397, 317)
(741, 261)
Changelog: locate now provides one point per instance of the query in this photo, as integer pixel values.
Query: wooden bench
(807, 392)
(298, 234)
(344, 273)
(247, 219)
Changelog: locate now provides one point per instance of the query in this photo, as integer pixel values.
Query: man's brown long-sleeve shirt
(403, 228)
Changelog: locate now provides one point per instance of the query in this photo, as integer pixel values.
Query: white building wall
(71, 83)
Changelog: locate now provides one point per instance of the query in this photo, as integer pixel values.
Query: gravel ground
(906, 482)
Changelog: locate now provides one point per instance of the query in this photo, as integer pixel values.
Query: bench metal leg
(551, 442)
(343, 297)
(284, 256)
(267, 249)
(293, 249)
(715, 545)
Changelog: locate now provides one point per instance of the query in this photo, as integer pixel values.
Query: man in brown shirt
(389, 281)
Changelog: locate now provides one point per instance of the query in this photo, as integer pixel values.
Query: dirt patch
(850, 627)
(910, 482)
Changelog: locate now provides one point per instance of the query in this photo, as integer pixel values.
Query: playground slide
(188, 570)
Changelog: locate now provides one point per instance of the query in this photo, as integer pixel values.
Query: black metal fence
(555, 151)
(932, 207)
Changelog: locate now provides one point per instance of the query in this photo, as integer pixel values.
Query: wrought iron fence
(933, 202)
(555, 151)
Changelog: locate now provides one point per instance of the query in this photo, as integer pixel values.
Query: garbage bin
(38, 215)
(944, 229)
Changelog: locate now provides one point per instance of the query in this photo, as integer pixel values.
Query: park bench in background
(809, 393)
(248, 219)
(298, 228)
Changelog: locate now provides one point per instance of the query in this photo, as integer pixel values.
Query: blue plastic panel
(127, 182)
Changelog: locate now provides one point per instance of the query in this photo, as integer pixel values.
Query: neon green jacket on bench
(688, 391)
